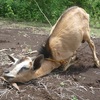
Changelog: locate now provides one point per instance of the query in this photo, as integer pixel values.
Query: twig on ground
(6, 49)
(12, 98)
(6, 90)
(57, 94)
(92, 90)
(3, 50)
(61, 93)
(45, 88)
(32, 52)
(30, 97)
(83, 88)
(76, 95)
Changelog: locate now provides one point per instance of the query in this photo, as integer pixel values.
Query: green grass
(74, 98)
(24, 23)
(95, 32)
(4, 22)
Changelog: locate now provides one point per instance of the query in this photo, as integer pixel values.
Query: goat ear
(38, 61)
(13, 59)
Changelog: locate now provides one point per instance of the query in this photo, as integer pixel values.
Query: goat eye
(23, 69)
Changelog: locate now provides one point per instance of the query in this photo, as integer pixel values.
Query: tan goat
(70, 30)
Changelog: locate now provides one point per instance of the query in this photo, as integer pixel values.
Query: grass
(4, 22)
(95, 32)
(74, 98)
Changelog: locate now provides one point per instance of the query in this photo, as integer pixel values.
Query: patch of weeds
(74, 98)
(62, 84)
(95, 32)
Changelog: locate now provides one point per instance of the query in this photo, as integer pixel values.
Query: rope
(56, 61)
(43, 13)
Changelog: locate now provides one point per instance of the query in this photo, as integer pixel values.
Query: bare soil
(80, 82)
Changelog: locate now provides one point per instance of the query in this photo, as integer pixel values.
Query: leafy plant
(27, 9)
(74, 98)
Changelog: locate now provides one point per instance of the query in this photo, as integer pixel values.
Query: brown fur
(71, 29)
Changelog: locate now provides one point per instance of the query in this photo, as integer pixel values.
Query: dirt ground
(80, 82)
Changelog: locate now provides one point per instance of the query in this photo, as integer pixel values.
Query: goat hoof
(98, 64)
